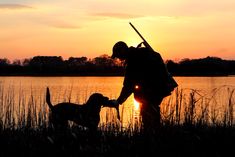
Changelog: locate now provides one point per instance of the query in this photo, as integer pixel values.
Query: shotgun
(146, 44)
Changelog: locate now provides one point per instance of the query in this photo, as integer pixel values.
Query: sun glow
(133, 41)
(136, 105)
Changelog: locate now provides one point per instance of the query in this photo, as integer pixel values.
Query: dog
(86, 114)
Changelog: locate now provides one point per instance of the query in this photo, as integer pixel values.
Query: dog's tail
(48, 99)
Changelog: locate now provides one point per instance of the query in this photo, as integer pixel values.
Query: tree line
(104, 65)
(57, 66)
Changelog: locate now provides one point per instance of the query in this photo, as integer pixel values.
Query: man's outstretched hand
(114, 103)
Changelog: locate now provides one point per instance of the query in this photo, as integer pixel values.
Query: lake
(210, 99)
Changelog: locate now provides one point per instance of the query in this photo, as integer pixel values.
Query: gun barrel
(137, 31)
(145, 42)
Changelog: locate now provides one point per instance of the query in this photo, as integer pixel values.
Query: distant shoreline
(105, 66)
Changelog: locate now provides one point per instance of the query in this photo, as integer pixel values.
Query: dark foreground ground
(169, 141)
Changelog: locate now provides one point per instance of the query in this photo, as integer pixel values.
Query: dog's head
(98, 100)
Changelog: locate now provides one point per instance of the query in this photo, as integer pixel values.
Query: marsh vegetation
(193, 124)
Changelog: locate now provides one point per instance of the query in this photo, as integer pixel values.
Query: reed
(193, 107)
(183, 107)
(191, 119)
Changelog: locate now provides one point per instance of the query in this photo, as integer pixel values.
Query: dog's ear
(97, 98)
(92, 99)
(105, 101)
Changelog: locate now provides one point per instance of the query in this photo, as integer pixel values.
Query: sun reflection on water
(136, 105)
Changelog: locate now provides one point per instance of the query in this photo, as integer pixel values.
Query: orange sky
(177, 29)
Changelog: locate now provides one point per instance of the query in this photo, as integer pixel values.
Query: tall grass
(186, 116)
(184, 107)
(19, 110)
(194, 107)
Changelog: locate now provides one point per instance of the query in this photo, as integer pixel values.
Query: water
(213, 91)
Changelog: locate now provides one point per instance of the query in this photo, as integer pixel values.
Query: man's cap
(118, 47)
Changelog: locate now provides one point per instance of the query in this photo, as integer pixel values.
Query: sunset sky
(177, 29)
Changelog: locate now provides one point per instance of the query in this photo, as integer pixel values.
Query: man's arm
(125, 93)
(128, 85)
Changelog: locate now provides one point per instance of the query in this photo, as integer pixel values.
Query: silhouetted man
(145, 76)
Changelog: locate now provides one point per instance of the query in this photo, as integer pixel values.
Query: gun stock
(146, 44)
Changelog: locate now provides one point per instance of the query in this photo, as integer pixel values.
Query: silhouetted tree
(203, 66)
(16, 62)
(231, 67)
(47, 64)
(105, 65)
(4, 62)
(26, 62)
(77, 61)
(103, 60)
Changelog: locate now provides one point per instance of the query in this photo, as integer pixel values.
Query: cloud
(64, 25)
(116, 15)
(59, 23)
(14, 6)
